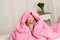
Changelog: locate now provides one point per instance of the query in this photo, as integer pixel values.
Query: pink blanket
(41, 30)
(56, 26)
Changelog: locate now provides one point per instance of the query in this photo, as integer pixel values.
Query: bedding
(4, 37)
(41, 30)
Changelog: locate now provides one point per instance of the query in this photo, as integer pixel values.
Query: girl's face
(30, 20)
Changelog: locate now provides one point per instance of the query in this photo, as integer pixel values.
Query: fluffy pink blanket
(41, 30)
(56, 26)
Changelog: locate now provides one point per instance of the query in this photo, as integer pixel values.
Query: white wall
(10, 12)
(54, 7)
(5, 16)
(57, 8)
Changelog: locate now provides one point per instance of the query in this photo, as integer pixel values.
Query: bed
(4, 37)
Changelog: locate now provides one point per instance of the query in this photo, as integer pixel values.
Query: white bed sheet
(4, 37)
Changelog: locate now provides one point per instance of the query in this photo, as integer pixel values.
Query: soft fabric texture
(56, 26)
(41, 30)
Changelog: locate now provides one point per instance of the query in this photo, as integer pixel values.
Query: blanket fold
(56, 26)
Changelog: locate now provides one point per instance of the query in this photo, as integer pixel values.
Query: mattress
(4, 37)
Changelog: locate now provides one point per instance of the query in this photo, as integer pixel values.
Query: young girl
(30, 22)
(32, 27)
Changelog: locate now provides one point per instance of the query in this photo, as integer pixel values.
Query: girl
(32, 27)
